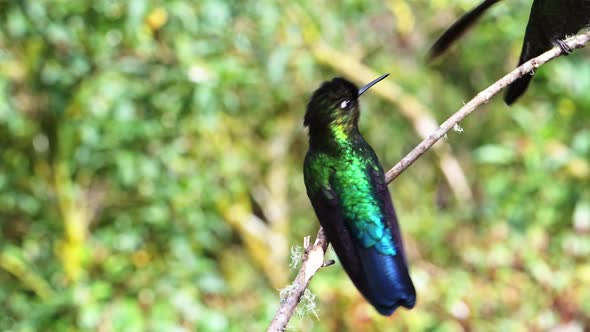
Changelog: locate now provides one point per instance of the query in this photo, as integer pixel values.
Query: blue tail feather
(387, 283)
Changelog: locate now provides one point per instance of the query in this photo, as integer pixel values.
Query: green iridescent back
(347, 173)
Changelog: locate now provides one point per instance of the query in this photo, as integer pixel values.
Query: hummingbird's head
(335, 104)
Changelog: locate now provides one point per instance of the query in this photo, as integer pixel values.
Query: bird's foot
(565, 49)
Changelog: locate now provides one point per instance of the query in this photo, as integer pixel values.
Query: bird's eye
(344, 104)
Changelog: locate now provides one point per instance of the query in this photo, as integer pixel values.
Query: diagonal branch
(481, 98)
(313, 260)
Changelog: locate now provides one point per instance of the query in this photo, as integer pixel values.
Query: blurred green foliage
(151, 152)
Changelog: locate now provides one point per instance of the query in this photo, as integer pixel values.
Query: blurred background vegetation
(151, 165)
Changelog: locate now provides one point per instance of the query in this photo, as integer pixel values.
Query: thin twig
(481, 98)
(312, 262)
(314, 258)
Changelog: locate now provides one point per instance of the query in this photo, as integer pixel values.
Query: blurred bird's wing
(458, 29)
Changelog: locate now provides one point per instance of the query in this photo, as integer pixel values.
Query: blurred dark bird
(550, 21)
(346, 186)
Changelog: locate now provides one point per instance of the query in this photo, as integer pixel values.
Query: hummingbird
(550, 21)
(346, 186)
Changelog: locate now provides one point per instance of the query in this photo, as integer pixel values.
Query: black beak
(370, 84)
